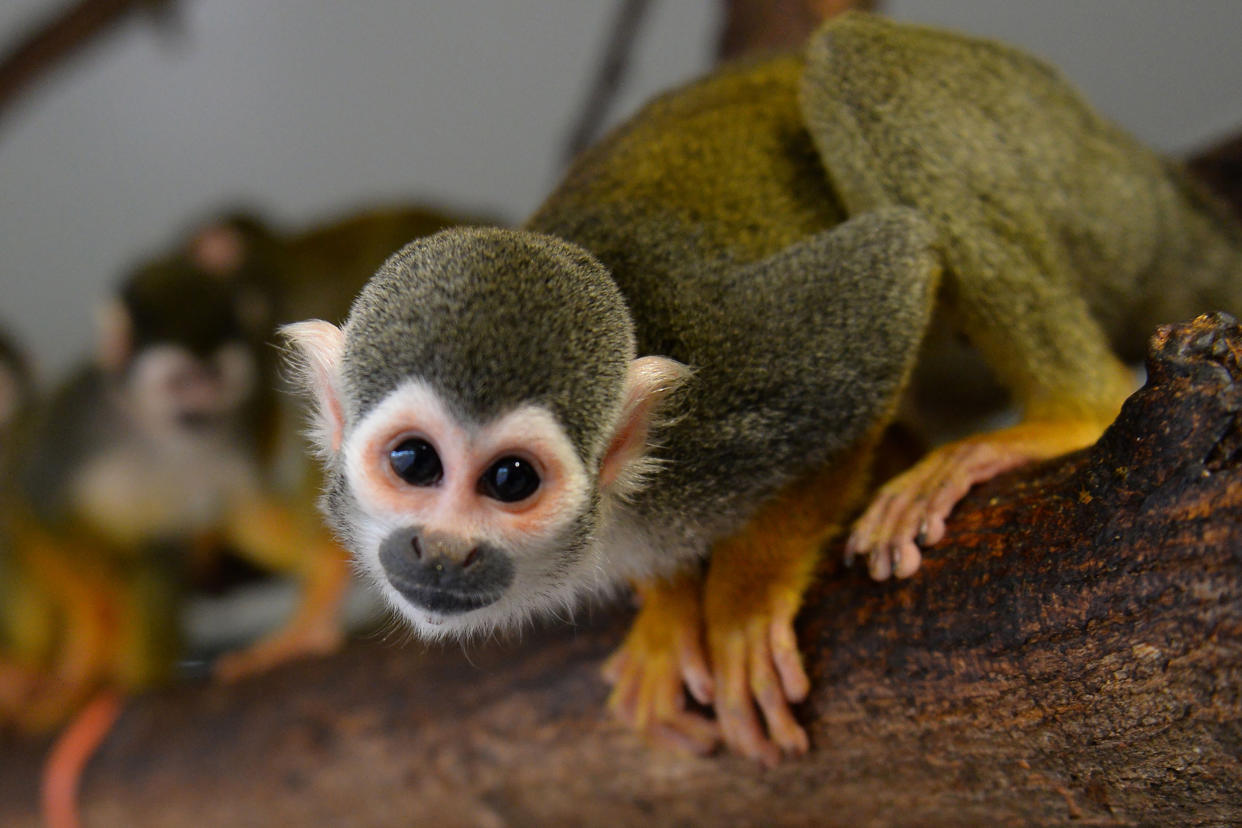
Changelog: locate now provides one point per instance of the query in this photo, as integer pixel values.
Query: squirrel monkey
(55, 627)
(178, 444)
(677, 371)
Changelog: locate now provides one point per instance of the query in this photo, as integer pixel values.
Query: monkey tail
(77, 743)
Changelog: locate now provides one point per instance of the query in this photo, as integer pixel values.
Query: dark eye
(416, 462)
(509, 480)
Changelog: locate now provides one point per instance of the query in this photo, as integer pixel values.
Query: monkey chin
(531, 596)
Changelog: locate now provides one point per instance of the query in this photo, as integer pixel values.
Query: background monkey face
(172, 391)
(184, 340)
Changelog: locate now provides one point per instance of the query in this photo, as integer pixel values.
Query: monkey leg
(754, 588)
(664, 650)
(910, 510)
(1064, 374)
(74, 605)
(285, 540)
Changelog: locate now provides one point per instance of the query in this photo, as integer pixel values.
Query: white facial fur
(552, 572)
(166, 382)
(530, 532)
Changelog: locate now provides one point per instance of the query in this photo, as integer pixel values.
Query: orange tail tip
(77, 743)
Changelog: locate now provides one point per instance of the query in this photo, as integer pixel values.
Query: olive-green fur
(1064, 238)
(789, 229)
(458, 308)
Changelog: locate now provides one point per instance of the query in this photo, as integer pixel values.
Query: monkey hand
(662, 652)
(910, 510)
(282, 538)
(756, 663)
(296, 640)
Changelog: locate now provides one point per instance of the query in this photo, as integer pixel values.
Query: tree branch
(61, 36)
(1071, 651)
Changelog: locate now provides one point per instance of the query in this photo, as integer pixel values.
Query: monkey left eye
(509, 480)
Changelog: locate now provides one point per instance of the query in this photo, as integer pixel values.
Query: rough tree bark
(1072, 651)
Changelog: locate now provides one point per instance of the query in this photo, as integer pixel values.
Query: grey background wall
(308, 107)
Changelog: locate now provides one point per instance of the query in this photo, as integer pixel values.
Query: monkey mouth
(440, 600)
(198, 419)
(441, 585)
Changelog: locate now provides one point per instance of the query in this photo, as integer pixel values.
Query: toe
(788, 660)
(693, 663)
(783, 729)
(735, 709)
(688, 733)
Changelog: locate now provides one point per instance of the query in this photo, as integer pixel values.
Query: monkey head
(183, 341)
(480, 414)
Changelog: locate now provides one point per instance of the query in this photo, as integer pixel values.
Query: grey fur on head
(455, 308)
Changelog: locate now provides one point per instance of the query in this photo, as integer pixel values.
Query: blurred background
(310, 108)
(263, 157)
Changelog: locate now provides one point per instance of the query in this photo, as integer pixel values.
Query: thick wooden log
(1070, 653)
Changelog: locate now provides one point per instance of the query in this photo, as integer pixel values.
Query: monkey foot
(288, 644)
(662, 653)
(910, 510)
(758, 670)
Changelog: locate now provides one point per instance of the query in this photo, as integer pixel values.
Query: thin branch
(60, 36)
(609, 76)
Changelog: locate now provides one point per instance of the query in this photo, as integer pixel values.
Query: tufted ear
(648, 383)
(316, 348)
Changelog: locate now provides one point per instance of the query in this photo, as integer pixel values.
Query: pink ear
(317, 347)
(115, 339)
(647, 383)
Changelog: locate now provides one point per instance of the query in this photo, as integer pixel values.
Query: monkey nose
(443, 572)
(452, 548)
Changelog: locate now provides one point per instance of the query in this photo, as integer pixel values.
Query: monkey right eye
(415, 461)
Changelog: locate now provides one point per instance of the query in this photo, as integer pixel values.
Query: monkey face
(466, 526)
(470, 502)
(175, 394)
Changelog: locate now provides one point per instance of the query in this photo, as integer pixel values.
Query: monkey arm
(663, 650)
(283, 539)
(754, 589)
(804, 411)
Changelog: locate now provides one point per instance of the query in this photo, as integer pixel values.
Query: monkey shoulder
(787, 375)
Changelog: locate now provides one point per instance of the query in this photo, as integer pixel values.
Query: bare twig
(609, 76)
(60, 36)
